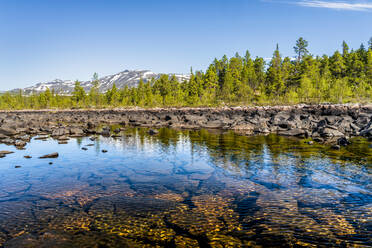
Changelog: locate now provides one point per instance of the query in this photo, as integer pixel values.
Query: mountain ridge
(124, 78)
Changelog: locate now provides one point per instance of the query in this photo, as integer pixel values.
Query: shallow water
(186, 189)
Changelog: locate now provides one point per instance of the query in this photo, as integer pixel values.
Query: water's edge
(323, 123)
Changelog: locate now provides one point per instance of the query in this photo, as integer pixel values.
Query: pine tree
(192, 97)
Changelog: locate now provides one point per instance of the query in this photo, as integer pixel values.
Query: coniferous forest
(343, 77)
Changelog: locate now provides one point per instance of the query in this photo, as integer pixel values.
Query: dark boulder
(153, 132)
(343, 141)
(336, 147)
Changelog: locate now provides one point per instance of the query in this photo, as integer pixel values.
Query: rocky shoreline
(323, 123)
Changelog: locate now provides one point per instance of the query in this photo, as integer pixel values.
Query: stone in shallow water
(5, 152)
(51, 155)
(63, 138)
(42, 137)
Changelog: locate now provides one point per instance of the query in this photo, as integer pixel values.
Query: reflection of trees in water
(79, 140)
(229, 149)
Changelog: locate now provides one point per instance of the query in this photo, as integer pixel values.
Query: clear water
(186, 189)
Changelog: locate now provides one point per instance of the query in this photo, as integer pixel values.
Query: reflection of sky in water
(267, 181)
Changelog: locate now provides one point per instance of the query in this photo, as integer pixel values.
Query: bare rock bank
(323, 123)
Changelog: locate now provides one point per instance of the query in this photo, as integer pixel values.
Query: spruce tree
(345, 49)
(274, 79)
(301, 48)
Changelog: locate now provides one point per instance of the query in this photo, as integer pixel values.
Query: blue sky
(72, 39)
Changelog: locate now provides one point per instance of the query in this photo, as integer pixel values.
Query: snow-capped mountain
(121, 79)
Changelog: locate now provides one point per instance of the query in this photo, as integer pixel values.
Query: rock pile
(324, 123)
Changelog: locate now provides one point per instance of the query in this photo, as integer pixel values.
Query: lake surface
(186, 189)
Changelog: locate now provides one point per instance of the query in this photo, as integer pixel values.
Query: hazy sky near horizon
(41, 40)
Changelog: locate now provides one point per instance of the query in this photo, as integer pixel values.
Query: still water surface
(186, 189)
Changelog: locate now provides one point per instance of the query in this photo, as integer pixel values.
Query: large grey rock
(293, 132)
(330, 132)
(76, 131)
(60, 132)
(6, 130)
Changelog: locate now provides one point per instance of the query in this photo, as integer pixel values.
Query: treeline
(345, 76)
